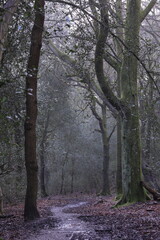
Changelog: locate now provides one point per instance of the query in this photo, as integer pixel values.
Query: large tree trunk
(30, 211)
(119, 48)
(5, 20)
(132, 172)
(128, 105)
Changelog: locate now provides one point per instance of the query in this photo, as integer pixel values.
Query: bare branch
(146, 11)
(82, 73)
(112, 132)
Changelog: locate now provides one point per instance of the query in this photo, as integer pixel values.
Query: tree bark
(5, 20)
(155, 194)
(30, 210)
(119, 158)
(1, 202)
(127, 106)
(65, 160)
(72, 175)
(120, 34)
(105, 141)
(132, 166)
(42, 156)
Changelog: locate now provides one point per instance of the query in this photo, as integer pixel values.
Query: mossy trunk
(119, 48)
(132, 166)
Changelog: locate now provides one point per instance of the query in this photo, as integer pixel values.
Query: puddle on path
(69, 228)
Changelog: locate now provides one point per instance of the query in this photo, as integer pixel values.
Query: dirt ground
(140, 221)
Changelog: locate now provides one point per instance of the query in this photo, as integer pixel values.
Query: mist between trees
(95, 81)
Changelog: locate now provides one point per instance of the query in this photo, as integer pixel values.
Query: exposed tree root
(155, 194)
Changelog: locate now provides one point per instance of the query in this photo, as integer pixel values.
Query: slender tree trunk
(62, 180)
(105, 141)
(20, 168)
(149, 123)
(119, 158)
(5, 20)
(42, 156)
(72, 175)
(30, 210)
(1, 201)
(42, 172)
(63, 172)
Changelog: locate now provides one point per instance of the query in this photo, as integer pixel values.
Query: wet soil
(83, 218)
(69, 226)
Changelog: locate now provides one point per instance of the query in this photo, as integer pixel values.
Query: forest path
(83, 217)
(69, 226)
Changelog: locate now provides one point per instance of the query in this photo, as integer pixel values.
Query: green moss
(118, 197)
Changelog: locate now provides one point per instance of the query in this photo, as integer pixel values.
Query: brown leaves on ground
(140, 221)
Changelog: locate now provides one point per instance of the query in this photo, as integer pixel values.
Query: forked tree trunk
(30, 210)
(128, 105)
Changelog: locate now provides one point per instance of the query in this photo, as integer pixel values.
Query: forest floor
(81, 217)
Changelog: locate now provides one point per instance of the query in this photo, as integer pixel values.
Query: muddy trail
(83, 217)
(68, 226)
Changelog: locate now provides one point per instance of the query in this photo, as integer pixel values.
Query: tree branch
(113, 63)
(112, 132)
(99, 56)
(95, 14)
(82, 73)
(146, 11)
(113, 35)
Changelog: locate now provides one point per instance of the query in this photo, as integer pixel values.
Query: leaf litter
(139, 221)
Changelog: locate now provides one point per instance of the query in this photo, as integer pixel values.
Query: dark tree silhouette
(30, 211)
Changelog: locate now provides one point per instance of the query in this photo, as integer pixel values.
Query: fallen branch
(155, 194)
(6, 216)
